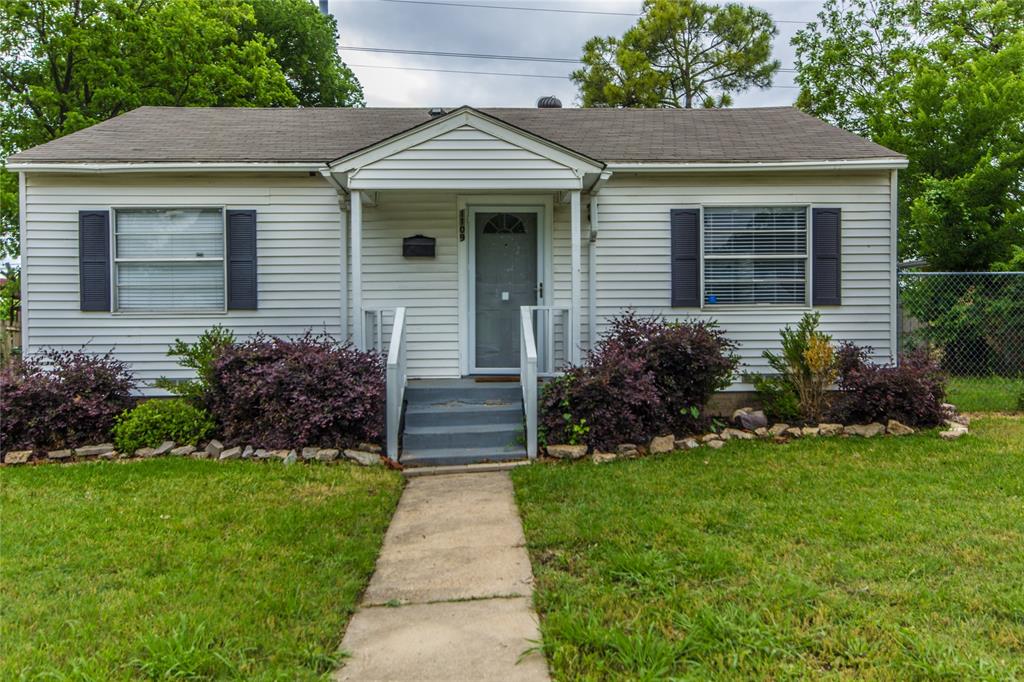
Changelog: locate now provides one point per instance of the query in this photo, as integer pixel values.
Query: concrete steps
(457, 422)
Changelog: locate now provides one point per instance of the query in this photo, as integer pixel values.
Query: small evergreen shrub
(805, 369)
(778, 397)
(199, 357)
(645, 376)
(912, 392)
(311, 391)
(62, 399)
(151, 423)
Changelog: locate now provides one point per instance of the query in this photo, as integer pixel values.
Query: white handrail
(544, 329)
(528, 377)
(396, 381)
(373, 328)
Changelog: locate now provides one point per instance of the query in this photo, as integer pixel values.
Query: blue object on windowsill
(712, 299)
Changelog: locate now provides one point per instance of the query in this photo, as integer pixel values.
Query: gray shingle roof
(169, 134)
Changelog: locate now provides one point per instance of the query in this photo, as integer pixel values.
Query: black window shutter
(826, 247)
(94, 260)
(241, 225)
(685, 224)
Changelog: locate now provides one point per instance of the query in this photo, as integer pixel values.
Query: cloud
(372, 23)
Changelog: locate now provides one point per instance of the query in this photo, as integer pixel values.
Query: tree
(67, 64)
(678, 54)
(852, 57)
(941, 81)
(306, 47)
(9, 234)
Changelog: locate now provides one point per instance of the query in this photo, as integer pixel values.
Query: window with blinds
(169, 259)
(755, 255)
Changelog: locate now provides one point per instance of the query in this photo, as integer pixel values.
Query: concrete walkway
(451, 598)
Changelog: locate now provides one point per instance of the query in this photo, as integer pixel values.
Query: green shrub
(805, 369)
(199, 357)
(154, 421)
(1020, 399)
(778, 397)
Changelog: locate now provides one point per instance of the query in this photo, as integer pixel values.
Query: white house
(487, 234)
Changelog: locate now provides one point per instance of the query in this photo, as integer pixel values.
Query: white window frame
(809, 261)
(114, 261)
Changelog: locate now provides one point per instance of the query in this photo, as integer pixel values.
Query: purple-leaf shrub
(62, 399)
(688, 360)
(608, 403)
(911, 392)
(645, 376)
(311, 391)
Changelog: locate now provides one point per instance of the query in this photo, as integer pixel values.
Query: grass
(985, 394)
(823, 558)
(177, 569)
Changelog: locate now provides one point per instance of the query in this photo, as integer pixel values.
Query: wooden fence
(10, 340)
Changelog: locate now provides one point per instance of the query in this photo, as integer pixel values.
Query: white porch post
(356, 214)
(592, 275)
(576, 280)
(343, 268)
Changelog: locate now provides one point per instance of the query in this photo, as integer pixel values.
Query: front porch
(464, 245)
(462, 371)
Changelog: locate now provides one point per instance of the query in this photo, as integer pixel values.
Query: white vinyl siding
(169, 260)
(755, 255)
(298, 265)
(299, 269)
(634, 264)
(427, 287)
(465, 159)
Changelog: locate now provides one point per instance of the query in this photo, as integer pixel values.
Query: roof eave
(160, 166)
(747, 166)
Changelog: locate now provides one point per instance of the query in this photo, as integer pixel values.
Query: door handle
(540, 290)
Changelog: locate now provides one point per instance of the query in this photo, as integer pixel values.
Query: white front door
(506, 266)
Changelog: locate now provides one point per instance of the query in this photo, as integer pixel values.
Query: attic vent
(549, 102)
(436, 111)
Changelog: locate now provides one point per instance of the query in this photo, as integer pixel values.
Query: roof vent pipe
(549, 102)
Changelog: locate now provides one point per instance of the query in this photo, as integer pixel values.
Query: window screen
(169, 259)
(755, 255)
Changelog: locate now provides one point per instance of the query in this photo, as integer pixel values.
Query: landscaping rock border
(367, 454)
(956, 424)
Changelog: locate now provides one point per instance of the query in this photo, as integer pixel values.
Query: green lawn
(984, 394)
(823, 558)
(184, 569)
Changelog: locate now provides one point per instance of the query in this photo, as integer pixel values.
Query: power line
(517, 9)
(484, 73)
(545, 9)
(471, 55)
(481, 73)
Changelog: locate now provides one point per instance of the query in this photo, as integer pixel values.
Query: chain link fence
(973, 322)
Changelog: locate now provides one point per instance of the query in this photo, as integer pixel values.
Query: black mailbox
(418, 246)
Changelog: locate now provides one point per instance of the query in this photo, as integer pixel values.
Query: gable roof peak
(466, 115)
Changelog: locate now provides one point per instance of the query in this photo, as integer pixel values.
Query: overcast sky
(402, 25)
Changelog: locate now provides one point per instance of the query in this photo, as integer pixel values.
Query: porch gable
(465, 150)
